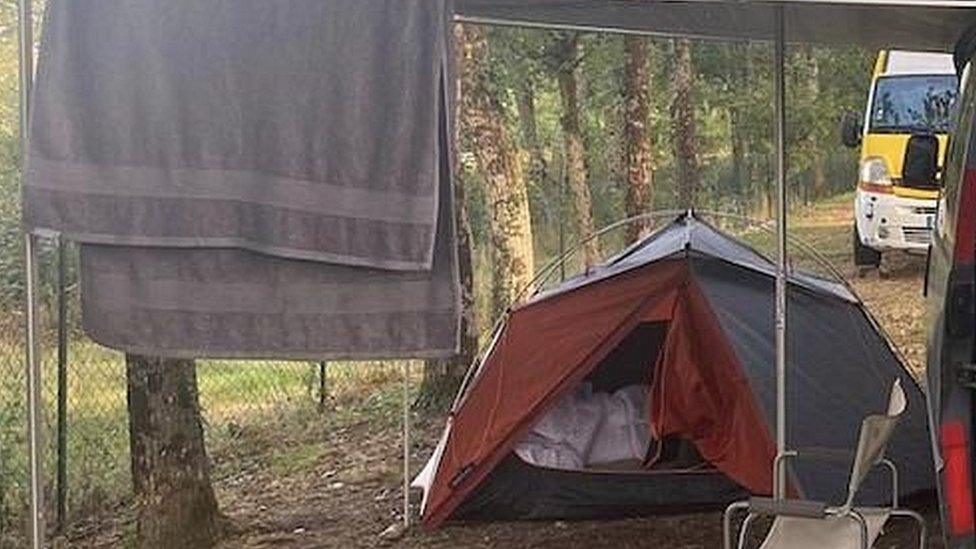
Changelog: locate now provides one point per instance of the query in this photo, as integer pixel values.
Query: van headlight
(874, 172)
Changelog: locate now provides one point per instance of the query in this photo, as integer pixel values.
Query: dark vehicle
(951, 322)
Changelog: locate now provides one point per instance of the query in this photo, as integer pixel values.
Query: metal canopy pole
(34, 420)
(779, 71)
(34, 435)
(406, 444)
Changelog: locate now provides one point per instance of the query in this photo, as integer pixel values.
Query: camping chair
(802, 524)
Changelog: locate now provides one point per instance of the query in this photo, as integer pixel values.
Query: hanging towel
(303, 129)
(230, 303)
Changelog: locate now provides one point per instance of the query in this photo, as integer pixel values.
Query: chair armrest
(812, 454)
(846, 457)
(788, 507)
(826, 454)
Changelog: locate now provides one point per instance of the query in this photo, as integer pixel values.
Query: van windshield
(913, 103)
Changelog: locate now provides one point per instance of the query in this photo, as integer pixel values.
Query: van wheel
(865, 257)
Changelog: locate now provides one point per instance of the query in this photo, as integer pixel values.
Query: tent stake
(779, 70)
(406, 444)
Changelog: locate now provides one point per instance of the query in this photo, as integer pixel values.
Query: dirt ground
(352, 501)
(342, 490)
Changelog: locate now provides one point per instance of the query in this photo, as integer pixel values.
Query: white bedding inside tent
(587, 430)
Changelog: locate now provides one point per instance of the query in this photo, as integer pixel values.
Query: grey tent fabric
(231, 303)
(841, 367)
(874, 24)
(301, 129)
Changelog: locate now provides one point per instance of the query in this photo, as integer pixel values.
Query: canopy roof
(932, 25)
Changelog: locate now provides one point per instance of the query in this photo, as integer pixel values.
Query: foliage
(11, 246)
(733, 92)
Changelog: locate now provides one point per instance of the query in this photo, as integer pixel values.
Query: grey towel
(305, 129)
(228, 303)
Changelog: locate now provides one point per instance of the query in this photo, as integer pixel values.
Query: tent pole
(779, 70)
(406, 444)
(25, 20)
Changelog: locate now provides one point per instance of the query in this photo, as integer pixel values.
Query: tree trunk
(442, 378)
(640, 168)
(482, 122)
(741, 172)
(818, 167)
(739, 147)
(170, 469)
(566, 56)
(684, 135)
(538, 167)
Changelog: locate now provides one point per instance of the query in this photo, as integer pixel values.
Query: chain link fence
(87, 475)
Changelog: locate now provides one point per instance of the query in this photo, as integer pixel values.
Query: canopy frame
(779, 85)
(37, 520)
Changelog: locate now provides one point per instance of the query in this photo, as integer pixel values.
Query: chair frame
(756, 507)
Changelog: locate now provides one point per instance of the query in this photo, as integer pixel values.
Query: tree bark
(538, 167)
(566, 57)
(741, 172)
(170, 469)
(442, 378)
(639, 163)
(482, 122)
(740, 147)
(684, 133)
(818, 167)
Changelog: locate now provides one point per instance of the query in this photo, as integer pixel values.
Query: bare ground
(315, 511)
(340, 487)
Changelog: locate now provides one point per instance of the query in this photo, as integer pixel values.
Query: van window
(904, 104)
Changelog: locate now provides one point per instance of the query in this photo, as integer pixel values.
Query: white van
(912, 93)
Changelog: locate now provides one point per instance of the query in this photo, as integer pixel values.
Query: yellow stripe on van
(881, 64)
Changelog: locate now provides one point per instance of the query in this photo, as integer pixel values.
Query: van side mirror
(921, 166)
(851, 128)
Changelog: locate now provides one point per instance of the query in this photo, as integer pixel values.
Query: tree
(487, 138)
(738, 75)
(538, 167)
(639, 163)
(442, 378)
(565, 58)
(809, 148)
(684, 133)
(170, 469)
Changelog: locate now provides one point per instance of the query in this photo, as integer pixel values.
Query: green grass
(250, 409)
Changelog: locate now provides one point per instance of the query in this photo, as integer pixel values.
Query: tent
(687, 314)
